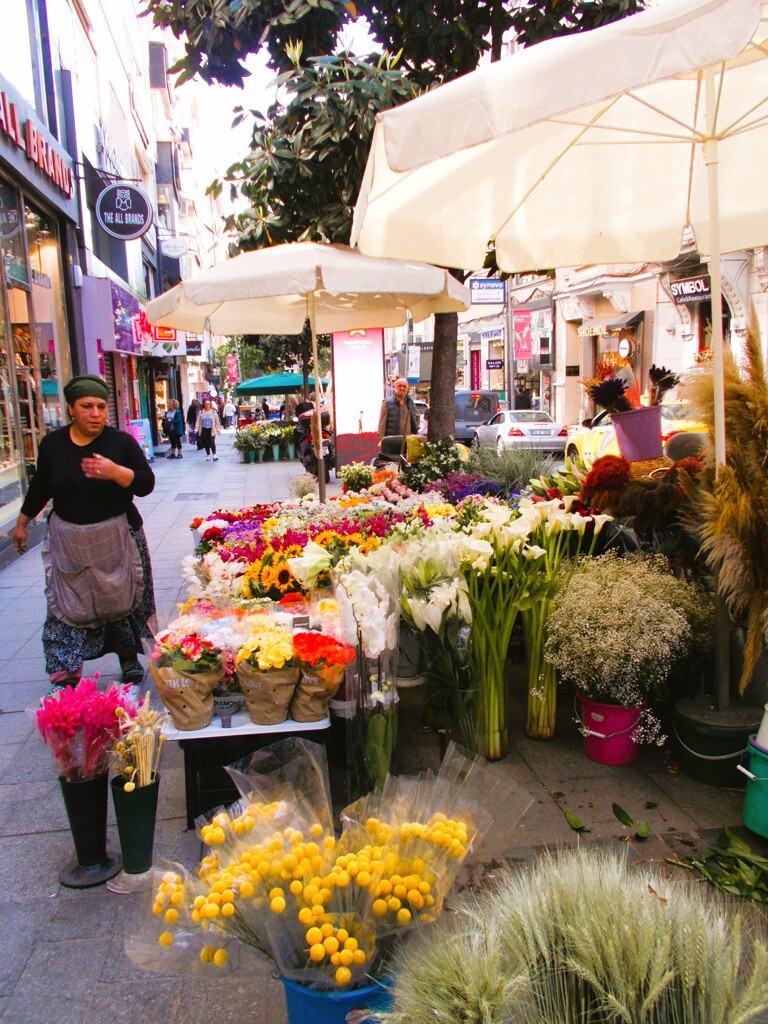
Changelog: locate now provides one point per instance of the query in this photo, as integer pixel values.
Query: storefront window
(48, 308)
(34, 355)
(10, 457)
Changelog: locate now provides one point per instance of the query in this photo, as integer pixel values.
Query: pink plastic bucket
(639, 433)
(607, 730)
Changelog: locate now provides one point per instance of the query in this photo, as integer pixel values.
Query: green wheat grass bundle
(581, 937)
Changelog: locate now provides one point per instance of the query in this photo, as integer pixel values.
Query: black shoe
(133, 673)
(171, 456)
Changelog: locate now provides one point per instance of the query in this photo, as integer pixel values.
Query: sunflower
(277, 577)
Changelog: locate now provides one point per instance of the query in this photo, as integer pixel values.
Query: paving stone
(24, 924)
(45, 813)
(15, 726)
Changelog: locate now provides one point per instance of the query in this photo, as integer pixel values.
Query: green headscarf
(87, 385)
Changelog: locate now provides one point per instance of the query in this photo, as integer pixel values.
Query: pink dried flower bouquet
(79, 725)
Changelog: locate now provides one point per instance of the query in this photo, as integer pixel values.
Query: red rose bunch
(317, 650)
(80, 725)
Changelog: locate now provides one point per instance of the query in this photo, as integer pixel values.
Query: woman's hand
(96, 467)
(19, 535)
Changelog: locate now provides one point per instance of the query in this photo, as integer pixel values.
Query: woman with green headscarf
(98, 574)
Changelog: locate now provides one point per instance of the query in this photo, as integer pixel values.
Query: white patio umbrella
(594, 148)
(276, 290)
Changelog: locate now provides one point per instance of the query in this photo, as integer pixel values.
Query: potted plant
(615, 633)
(356, 476)
(186, 668)
(135, 787)
(637, 426)
(728, 520)
(243, 443)
(79, 724)
(267, 673)
(290, 447)
(274, 437)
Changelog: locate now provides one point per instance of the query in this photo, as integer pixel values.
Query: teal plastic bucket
(755, 815)
(310, 1006)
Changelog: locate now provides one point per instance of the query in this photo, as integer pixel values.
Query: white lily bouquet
(367, 589)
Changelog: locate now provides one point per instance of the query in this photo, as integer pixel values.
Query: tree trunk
(442, 408)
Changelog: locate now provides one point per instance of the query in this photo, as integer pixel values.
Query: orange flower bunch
(317, 650)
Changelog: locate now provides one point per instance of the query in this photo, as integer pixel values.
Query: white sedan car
(526, 428)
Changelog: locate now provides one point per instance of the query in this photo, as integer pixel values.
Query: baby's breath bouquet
(616, 632)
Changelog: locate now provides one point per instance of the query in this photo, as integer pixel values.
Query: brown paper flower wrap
(188, 696)
(316, 688)
(267, 694)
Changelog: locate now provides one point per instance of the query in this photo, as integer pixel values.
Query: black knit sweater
(76, 498)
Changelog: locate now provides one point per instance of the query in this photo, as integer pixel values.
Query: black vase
(86, 804)
(136, 813)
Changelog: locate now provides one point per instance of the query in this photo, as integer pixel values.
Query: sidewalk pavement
(61, 950)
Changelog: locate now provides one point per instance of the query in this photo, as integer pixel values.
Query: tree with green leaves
(303, 172)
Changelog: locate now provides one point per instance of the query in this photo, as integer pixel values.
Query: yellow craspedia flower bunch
(440, 831)
(271, 647)
(443, 510)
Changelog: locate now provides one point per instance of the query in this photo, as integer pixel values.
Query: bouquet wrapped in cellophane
(326, 909)
(80, 725)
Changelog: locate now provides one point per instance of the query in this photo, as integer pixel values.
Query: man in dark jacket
(398, 413)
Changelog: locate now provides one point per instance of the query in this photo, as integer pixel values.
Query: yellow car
(597, 437)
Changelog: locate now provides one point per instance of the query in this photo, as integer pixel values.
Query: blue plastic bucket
(358, 1006)
(755, 814)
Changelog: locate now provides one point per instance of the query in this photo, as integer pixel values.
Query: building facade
(101, 208)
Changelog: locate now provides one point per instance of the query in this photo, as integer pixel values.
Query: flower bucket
(267, 694)
(259, 454)
(189, 698)
(291, 450)
(276, 452)
(313, 695)
(755, 813)
(709, 744)
(250, 456)
(136, 813)
(311, 1006)
(638, 433)
(86, 804)
(607, 731)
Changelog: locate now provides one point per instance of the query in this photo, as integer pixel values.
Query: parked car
(421, 406)
(597, 437)
(473, 408)
(521, 428)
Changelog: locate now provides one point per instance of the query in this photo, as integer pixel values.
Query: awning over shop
(605, 324)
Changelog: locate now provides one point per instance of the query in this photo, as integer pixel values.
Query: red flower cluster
(316, 650)
(79, 724)
(608, 477)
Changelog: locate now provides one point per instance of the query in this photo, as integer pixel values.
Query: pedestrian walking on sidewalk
(208, 428)
(175, 419)
(228, 412)
(192, 414)
(98, 576)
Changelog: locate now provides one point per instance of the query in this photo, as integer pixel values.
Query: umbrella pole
(722, 618)
(318, 420)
